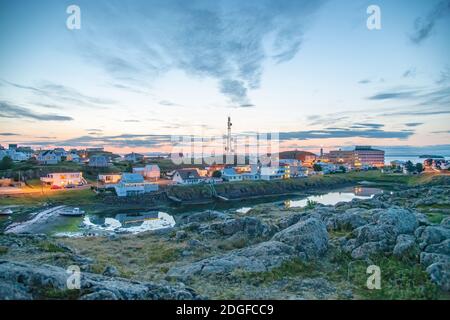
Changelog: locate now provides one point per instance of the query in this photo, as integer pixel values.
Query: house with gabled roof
(186, 176)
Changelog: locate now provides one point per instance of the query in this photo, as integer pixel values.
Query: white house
(64, 178)
(133, 184)
(295, 167)
(272, 173)
(109, 178)
(48, 157)
(134, 157)
(150, 172)
(186, 176)
(230, 175)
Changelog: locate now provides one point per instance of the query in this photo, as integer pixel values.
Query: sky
(138, 72)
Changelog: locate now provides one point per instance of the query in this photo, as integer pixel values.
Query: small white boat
(76, 212)
(6, 212)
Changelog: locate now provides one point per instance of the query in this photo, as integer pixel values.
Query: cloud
(225, 40)
(442, 131)
(8, 110)
(413, 124)
(423, 26)
(364, 81)
(367, 125)
(392, 95)
(168, 103)
(8, 134)
(410, 73)
(61, 94)
(331, 134)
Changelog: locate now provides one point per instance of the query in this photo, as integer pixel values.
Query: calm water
(136, 222)
(331, 198)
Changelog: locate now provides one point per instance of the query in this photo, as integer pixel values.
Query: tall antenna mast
(228, 147)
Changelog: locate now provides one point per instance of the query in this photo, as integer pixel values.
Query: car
(55, 187)
(70, 186)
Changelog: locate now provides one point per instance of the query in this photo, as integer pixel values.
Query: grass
(70, 225)
(67, 197)
(50, 247)
(295, 267)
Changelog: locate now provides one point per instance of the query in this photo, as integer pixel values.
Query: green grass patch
(50, 247)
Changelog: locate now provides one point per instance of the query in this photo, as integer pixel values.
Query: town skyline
(312, 72)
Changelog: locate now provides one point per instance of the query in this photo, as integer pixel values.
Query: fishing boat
(76, 212)
(6, 212)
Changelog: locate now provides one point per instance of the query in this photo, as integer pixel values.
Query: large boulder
(27, 281)
(308, 237)
(440, 274)
(405, 247)
(401, 220)
(433, 235)
(251, 226)
(257, 258)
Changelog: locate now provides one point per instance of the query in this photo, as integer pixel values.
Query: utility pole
(228, 148)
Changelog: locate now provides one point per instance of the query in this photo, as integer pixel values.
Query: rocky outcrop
(257, 258)
(309, 238)
(27, 281)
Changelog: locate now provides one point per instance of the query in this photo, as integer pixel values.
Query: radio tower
(228, 148)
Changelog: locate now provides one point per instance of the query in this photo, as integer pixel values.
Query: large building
(361, 156)
(365, 155)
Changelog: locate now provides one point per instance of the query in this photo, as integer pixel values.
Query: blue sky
(139, 71)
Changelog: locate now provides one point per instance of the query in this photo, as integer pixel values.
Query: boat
(76, 212)
(6, 212)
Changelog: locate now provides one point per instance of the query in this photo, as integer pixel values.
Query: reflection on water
(331, 198)
(123, 223)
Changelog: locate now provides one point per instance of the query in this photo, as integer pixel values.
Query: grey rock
(181, 235)
(446, 222)
(251, 226)
(370, 248)
(440, 248)
(440, 274)
(257, 258)
(100, 295)
(28, 281)
(309, 237)
(111, 271)
(433, 235)
(405, 246)
(402, 220)
(427, 258)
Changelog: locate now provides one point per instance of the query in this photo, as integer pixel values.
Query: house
(186, 176)
(150, 172)
(230, 175)
(48, 157)
(60, 152)
(295, 167)
(13, 154)
(253, 174)
(272, 173)
(327, 167)
(64, 179)
(134, 157)
(109, 178)
(133, 184)
(98, 161)
(27, 151)
(73, 157)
